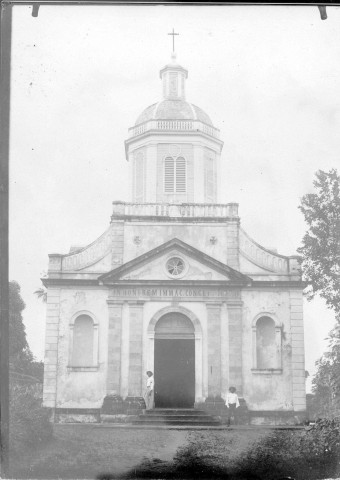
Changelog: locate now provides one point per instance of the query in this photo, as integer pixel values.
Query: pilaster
(151, 173)
(117, 250)
(136, 348)
(124, 367)
(214, 348)
(51, 347)
(235, 345)
(114, 347)
(298, 350)
(233, 244)
(224, 349)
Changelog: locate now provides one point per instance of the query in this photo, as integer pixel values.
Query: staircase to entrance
(176, 416)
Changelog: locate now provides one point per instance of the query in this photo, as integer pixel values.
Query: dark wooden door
(174, 373)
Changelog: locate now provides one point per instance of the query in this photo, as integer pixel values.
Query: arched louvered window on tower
(169, 175)
(181, 180)
(175, 180)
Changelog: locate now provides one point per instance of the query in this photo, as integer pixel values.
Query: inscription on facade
(184, 293)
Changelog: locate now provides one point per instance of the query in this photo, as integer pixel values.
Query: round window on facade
(175, 267)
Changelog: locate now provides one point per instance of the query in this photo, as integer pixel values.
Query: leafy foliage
(29, 422)
(20, 356)
(323, 439)
(41, 293)
(308, 454)
(320, 252)
(19, 351)
(326, 383)
(320, 248)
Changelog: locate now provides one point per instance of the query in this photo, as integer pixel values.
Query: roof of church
(173, 110)
(235, 277)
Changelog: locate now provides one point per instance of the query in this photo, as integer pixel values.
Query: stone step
(175, 411)
(194, 418)
(184, 421)
(175, 416)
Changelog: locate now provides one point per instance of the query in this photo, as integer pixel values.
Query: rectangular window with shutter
(180, 175)
(169, 175)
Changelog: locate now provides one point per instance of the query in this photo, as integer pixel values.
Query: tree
(326, 382)
(29, 421)
(41, 293)
(19, 351)
(320, 264)
(320, 248)
(21, 359)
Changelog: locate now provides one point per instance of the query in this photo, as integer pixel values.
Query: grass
(89, 452)
(110, 453)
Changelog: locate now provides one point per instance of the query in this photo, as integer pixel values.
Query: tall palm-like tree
(41, 293)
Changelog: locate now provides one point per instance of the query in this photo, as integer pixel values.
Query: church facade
(175, 286)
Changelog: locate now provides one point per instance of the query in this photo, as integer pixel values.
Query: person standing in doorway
(232, 404)
(149, 393)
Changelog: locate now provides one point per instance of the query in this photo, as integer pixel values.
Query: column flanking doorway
(174, 362)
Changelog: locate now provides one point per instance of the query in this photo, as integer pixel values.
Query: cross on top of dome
(173, 105)
(173, 38)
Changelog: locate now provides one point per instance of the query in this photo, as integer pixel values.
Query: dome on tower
(173, 110)
(173, 106)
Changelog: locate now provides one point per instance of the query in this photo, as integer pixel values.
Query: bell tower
(174, 149)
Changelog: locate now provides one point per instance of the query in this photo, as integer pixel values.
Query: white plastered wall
(269, 391)
(82, 389)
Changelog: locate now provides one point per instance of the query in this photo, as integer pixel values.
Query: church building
(175, 286)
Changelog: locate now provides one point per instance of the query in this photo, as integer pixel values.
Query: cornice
(279, 283)
(48, 282)
(151, 218)
(184, 133)
(176, 283)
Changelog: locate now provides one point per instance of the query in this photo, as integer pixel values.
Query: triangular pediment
(175, 260)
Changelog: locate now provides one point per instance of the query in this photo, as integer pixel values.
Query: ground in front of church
(85, 451)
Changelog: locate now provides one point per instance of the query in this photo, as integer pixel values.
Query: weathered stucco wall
(265, 390)
(262, 390)
(226, 330)
(196, 235)
(81, 389)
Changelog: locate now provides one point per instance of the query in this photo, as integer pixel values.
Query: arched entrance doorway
(174, 361)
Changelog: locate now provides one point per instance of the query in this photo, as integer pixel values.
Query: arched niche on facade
(267, 338)
(83, 341)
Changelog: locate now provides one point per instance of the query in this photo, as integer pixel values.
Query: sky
(268, 77)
